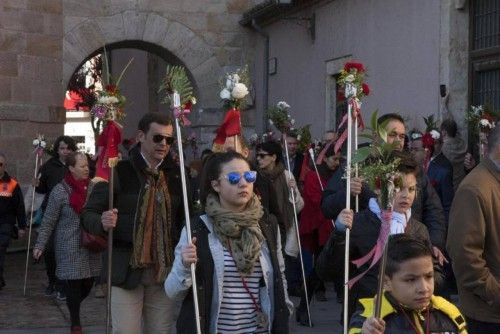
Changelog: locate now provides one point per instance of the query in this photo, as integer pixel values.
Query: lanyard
(254, 301)
(427, 320)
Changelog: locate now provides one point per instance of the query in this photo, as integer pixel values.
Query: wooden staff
(110, 252)
(177, 104)
(296, 221)
(37, 158)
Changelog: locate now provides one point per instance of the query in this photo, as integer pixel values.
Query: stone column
(31, 94)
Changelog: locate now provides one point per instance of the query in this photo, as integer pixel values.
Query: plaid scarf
(152, 239)
(239, 232)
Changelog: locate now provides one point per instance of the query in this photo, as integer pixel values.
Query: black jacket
(51, 173)
(426, 206)
(440, 175)
(129, 186)
(204, 281)
(11, 208)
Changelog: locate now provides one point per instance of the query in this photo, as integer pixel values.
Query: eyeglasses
(159, 138)
(261, 155)
(235, 177)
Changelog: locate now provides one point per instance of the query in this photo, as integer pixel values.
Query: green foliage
(304, 137)
(430, 123)
(177, 80)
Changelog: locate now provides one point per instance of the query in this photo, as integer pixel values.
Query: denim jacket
(179, 280)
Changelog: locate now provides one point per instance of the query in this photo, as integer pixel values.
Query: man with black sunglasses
(147, 219)
(11, 211)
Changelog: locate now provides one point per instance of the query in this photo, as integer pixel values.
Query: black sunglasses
(159, 138)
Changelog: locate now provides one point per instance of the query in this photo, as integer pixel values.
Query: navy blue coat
(440, 174)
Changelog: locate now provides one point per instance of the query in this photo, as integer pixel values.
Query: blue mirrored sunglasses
(235, 177)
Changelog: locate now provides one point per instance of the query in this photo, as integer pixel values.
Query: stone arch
(92, 34)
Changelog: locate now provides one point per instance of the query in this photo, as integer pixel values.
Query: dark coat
(204, 281)
(426, 207)
(440, 174)
(51, 173)
(130, 184)
(11, 208)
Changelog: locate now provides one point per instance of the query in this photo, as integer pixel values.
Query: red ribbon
(377, 251)
(180, 114)
(356, 114)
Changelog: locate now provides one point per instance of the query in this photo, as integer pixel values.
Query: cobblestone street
(37, 314)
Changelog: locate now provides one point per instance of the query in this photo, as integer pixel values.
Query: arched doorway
(139, 85)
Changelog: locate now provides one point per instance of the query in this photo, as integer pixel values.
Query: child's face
(413, 284)
(405, 197)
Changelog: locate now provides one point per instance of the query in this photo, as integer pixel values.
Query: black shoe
(302, 318)
(49, 292)
(2, 283)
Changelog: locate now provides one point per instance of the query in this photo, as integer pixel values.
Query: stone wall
(42, 43)
(31, 93)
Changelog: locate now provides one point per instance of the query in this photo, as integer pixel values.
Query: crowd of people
(444, 234)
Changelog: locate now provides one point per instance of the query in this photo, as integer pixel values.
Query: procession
(173, 177)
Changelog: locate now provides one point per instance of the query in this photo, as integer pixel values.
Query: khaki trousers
(145, 309)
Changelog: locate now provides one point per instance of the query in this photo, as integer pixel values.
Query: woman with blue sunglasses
(237, 250)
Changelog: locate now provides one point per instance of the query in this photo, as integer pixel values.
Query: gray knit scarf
(239, 232)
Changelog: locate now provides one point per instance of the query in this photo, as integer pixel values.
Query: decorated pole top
(179, 93)
(39, 144)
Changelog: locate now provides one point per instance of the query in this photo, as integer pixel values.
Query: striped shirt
(237, 313)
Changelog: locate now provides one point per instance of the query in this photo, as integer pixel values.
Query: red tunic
(314, 227)
(107, 144)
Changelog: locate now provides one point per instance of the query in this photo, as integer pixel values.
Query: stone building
(410, 48)
(43, 42)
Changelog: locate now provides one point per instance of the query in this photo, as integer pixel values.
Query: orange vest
(7, 188)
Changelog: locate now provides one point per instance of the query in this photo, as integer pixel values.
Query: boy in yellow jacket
(408, 304)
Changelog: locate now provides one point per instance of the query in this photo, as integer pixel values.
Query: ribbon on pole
(178, 118)
(311, 154)
(354, 105)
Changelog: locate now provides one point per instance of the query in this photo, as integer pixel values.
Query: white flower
(292, 121)
(113, 99)
(36, 142)
(283, 105)
(229, 83)
(485, 123)
(193, 100)
(298, 137)
(236, 78)
(477, 110)
(239, 91)
(349, 78)
(225, 94)
(435, 134)
(271, 122)
(416, 135)
(43, 144)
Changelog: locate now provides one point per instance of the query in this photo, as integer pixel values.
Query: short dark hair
(71, 158)
(450, 126)
(390, 117)
(402, 248)
(153, 117)
(68, 141)
(407, 164)
(272, 147)
(212, 169)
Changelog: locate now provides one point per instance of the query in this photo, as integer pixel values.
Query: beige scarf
(152, 240)
(239, 232)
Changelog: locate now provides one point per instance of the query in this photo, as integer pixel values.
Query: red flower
(188, 105)
(340, 96)
(358, 66)
(366, 89)
(427, 141)
(378, 182)
(112, 89)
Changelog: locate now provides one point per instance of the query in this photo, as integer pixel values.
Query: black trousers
(76, 291)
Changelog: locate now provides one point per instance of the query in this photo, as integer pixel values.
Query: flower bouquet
(480, 121)
(179, 93)
(279, 117)
(234, 89)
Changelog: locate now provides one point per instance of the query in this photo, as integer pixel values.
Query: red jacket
(314, 227)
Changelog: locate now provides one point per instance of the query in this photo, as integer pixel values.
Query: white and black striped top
(237, 313)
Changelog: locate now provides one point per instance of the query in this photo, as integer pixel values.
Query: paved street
(37, 314)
